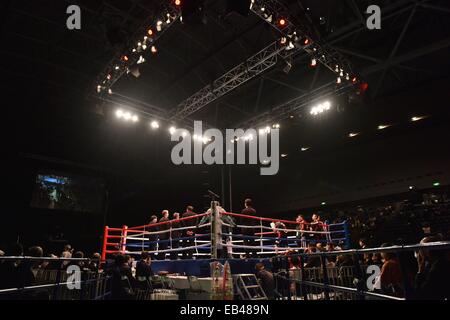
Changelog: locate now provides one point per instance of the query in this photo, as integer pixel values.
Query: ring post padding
(124, 238)
(214, 230)
(105, 240)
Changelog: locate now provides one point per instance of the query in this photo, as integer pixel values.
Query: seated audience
(266, 280)
(433, 278)
(391, 277)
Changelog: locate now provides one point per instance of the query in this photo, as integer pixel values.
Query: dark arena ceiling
(51, 75)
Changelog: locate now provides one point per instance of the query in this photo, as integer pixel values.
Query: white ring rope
(276, 229)
(172, 230)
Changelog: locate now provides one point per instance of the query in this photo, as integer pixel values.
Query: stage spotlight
(282, 22)
(135, 118)
(305, 149)
(172, 130)
(110, 91)
(354, 79)
(411, 187)
(321, 108)
(158, 25)
(276, 126)
(178, 3)
(313, 62)
(363, 87)
(284, 155)
(290, 46)
(116, 67)
(283, 40)
(125, 58)
(108, 77)
(154, 49)
(347, 77)
(436, 184)
(150, 32)
(99, 88)
(337, 69)
(339, 80)
(119, 113)
(127, 116)
(141, 60)
(352, 135)
(382, 127)
(415, 119)
(154, 125)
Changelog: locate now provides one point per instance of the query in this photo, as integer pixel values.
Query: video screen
(68, 192)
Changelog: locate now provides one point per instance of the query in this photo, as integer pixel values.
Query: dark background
(52, 120)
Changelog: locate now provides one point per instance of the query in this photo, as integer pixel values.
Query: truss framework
(292, 35)
(252, 67)
(117, 67)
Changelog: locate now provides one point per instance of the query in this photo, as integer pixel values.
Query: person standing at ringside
(176, 234)
(190, 232)
(164, 237)
(249, 232)
(316, 226)
(300, 234)
(152, 238)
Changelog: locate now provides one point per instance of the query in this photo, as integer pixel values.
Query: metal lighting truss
(296, 30)
(293, 35)
(253, 66)
(117, 67)
(286, 109)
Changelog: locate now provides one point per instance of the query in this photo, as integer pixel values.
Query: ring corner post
(124, 239)
(214, 230)
(105, 241)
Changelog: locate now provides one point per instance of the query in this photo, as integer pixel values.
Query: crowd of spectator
(20, 273)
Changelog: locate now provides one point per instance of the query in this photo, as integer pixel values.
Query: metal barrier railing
(348, 282)
(55, 283)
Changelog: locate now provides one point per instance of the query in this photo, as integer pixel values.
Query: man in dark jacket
(122, 279)
(190, 232)
(165, 236)
(249, 232)
(176, 234)
(266, 280)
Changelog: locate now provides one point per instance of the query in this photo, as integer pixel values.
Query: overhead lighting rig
(299, 35)
(144, 40)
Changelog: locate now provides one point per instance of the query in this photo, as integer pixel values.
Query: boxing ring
(188, 245)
